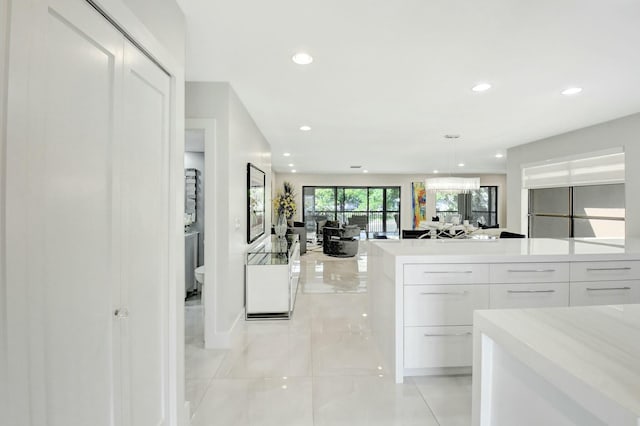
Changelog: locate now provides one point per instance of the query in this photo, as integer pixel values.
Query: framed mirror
(255, 203)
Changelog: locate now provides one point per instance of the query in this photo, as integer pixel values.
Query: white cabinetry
(529, 285)
(273, 272)
(438, 317)
(525, 272)
(530, 295)
(605, 283)
(436, 347)
(443, 304)
(436, 291)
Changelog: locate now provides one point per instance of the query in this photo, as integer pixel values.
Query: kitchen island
(423, 292)
(557, 366)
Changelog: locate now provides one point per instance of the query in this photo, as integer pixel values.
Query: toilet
(200, 276)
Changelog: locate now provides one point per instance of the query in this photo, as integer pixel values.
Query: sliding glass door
(377, 207)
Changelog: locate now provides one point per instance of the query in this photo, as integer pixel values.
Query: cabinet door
(536, 295)
(443, 304)
(529, 272)
(443, 273)
(144, 159)
(605, 271)
(436, 347)
(604, 293)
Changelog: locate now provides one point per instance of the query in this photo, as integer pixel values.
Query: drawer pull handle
(429, 293)
(447, 272)
(531, 270)
(531, 291)
(467, 333)
(608, 288)
(626, 268)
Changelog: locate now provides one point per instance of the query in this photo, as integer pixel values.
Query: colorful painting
(418, 202)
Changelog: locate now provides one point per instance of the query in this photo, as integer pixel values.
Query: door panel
(145, 185)
(75, 275)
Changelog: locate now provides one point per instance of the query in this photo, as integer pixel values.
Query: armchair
(360, 220)
(340, 242)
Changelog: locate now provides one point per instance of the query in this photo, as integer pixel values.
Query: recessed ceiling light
(305, 128)
(290, 164)
(435, 172)
(481, 87)
(287, 154)
(365, 171)
(571, 91)
(302, 58)
(293, 170)
(499, 155)
(460, 164)
(451, 136)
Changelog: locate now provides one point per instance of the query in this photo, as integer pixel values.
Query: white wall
(195, 160)
(623, 132)
(403, 181)
(238, 141)
(165, 20)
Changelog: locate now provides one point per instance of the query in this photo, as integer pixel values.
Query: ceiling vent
(355, 167)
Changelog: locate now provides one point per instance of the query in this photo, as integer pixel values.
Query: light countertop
(510, 250)
(591, 353)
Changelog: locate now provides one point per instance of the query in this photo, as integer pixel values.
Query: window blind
(603, 168)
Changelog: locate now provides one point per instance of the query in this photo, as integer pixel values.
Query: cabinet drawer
(430, 347)
(443, 304)
(447, 273)
(604, 293)
(605, 271)
(529, 272)
(536, 295)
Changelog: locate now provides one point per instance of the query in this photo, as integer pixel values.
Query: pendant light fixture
(452, 183)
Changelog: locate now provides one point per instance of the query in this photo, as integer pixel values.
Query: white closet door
(145, 208)
(72, 268)
(96, 155)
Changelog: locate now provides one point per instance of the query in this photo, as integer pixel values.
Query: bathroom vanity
(424, 292)
(272, 275)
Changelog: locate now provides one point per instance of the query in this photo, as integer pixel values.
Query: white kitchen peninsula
(562, 366)
(423, 292)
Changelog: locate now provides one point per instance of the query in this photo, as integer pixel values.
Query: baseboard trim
(187, 413)
(225, 339)
(442, 371)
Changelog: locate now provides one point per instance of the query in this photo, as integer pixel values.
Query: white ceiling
(390, 78)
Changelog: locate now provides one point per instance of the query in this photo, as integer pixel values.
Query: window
(479, 206)
(378, 206)
(577, 211)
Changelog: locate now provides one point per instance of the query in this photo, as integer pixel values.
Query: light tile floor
(319, 368)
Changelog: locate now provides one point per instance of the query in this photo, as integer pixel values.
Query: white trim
(5, 6)
(224, 340)
(212, 244)
(187, 413)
